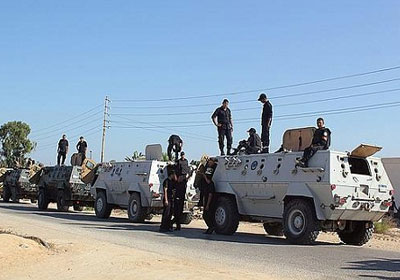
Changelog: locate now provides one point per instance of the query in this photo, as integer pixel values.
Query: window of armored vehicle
(359, 166)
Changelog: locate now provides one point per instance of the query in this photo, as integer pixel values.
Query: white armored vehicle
(341, 192)
(137, 187)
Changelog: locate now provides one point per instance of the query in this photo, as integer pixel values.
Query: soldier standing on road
(175, 144)
(62, 150)
(222, 119)
(266, 121)
(320, 141)
(169, 186)
(183, 171)
(209, 195)
(82, 147)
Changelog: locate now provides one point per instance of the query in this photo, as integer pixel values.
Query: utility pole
(105, 126)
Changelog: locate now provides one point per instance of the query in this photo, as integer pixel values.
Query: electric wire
(263, 89)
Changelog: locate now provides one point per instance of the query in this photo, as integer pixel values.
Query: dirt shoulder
(77, 258)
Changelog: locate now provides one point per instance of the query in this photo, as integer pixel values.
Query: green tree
(15, 144)
(165, 157)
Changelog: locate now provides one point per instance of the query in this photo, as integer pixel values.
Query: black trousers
(61, 157)
(310, 152)
(265, 136)
(173, 147)
(179, 203)
(249, 150)
(208, 217)
(166, 220)
(222, 133)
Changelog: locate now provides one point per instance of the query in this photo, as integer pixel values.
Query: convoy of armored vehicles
(343, 192)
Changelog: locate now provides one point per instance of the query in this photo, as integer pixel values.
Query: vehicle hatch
(365, 150)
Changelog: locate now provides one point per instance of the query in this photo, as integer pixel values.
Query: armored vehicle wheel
(136, 213)
(275, 229)
(14, 195)
(43, 201)
(300, 222)
(77, 207)
(360, 235)
(101, 207)
(226, 216)
(61, 202)
(6, 194)
(186, 218)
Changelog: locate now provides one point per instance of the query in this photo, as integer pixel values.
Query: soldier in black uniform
(252, 145)
(169, 186)
(82, 147)
(183, 171)
(62, 150)
(222, 119)
(175, 144)
(209, 195)
(266, 121)
(320, 141)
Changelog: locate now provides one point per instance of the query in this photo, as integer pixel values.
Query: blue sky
(59, 59)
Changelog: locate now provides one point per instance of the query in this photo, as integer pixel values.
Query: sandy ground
(74, 257)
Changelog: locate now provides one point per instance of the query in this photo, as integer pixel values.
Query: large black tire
(62, 204)
(77, 207)
(101, 206)
(226, 216)
(275, 229)
(43, 201)
(6, 193)
(186, 218)
(14, 195)
(360, 235)
(300, 225)
(136, 213)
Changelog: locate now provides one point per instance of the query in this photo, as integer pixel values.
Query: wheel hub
(296, 222)
(99, 205)
(220, 216)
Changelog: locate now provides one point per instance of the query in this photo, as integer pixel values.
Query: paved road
(256, 252)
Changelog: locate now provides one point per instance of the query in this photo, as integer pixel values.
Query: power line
(67, 120)
(263, 89)
(62, 130)
(191, 134)
(305, 114)
(54, 144)
(277, 97)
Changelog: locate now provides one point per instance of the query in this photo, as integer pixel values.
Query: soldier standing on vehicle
(320, 141)
(209, 195)
(175, 144)
(222, 119)
(252, 145)
(62, 150)
(82, 147)
(183, 171)
(169, 186)
(266, 121)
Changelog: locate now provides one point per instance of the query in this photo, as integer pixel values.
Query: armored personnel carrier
(137, 187)
(16, 184)
(66, 185)
(343, 192)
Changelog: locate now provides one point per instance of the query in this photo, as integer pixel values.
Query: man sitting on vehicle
(252, 145)
(320, 141)
(175, 144)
